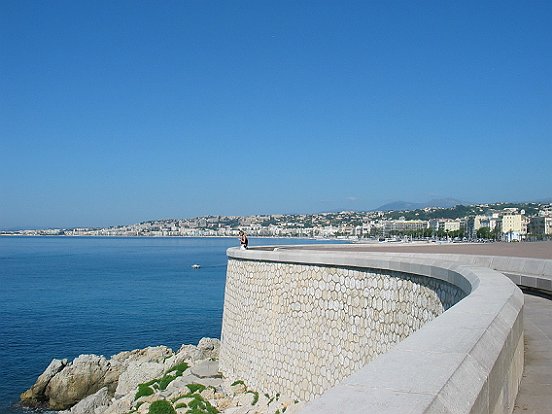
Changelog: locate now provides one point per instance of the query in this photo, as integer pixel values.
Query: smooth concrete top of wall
(460, 362)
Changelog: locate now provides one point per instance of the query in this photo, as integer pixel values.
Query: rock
(238, 389)
(239, 410)
(95, 403)
(146, 399)
(225, 403)
(295, 408)
(262, 401)
(245, 399)
(187, 353)
(208, 348)
(83, 377)
(210, 382)
(35, 395)
(232, 410)
(179, 383)
(120, 405)
(143, 408)
(149, 354)
(206, 369)
(138, 373)
(208, 393)
(93, 380)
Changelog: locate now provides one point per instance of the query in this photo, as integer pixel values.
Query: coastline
(142, 380)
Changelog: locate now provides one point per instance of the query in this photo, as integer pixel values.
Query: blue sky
(118, 112)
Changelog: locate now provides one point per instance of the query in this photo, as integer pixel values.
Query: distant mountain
(406, 205)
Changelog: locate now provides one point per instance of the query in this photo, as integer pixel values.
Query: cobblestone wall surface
(299, 329)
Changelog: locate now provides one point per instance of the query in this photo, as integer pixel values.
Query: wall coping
(463, 361)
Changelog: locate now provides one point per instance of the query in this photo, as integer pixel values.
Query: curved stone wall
(308, 327)
(281, 333)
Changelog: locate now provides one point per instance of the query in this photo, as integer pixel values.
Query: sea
(61, 297)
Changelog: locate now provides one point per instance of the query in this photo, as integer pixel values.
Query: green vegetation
(195, 388)
(161, 407)
(164, 382)
(148, 388)
(200, 406)
(238, 382)
(255, 396)
(276, 397)
(197, 405)
(143, 391)
(179, 369)
(484, 233)
(459, 211)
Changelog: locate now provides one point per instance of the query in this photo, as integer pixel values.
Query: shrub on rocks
(161, 407)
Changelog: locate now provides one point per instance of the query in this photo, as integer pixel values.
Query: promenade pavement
(535, 250)
(535, 392)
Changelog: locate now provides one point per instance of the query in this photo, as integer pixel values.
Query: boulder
(120, 405)
(149, 354)
(83, 377)
(206, 369)
(177, 386)
(187, 353)
(93, 404)
(34, 396)
(137, 373)
(208, 348)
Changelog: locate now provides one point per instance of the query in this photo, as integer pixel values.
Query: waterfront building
(540, 225)
(445, 225)
(513, 227)
(404, 226)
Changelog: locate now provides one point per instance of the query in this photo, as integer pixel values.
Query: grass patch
(165, 381)
(180, 405)
(195, 388)
(238, 382)
(179, 369)
(147, 388)
(200, 406)
(143, 391)
(161, 407)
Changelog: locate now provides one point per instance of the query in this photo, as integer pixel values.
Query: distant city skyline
(117, 113)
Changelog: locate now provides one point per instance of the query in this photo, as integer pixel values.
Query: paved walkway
(535, 393)
(536, 250)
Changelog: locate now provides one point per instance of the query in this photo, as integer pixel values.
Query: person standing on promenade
(243, 240)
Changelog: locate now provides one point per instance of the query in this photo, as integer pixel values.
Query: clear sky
(119, 112)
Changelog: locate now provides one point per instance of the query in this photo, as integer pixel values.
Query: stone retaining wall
(308, 327)
(282, 333)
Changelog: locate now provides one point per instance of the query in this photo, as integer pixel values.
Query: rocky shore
(154, 380)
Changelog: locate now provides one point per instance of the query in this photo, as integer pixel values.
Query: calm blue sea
(64, 296)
